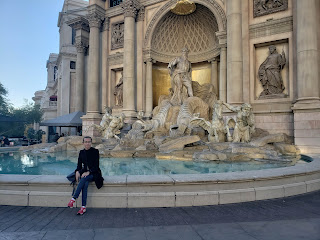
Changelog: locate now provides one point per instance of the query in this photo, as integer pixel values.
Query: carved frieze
(265, 7)
(117, 35)
(271, 27)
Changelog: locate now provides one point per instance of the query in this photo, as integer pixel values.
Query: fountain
(188, 124)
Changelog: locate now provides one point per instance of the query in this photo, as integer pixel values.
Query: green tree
(4, 103)
(27, 114)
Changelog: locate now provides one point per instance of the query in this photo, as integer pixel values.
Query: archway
(197, 32)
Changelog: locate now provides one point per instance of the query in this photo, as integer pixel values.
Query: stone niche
(115, 74)
(201, 73)
(261, 52)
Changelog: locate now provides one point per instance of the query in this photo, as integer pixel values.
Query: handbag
(72, 177)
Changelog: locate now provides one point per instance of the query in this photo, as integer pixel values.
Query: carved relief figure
(117, 36)
(244, 127)
(264, 7)
(118, 92)
(269, 73)
(180, 73)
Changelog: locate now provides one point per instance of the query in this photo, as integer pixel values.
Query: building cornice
(79, 23)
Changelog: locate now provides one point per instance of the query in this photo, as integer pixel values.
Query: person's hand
(77, 176)
(85, 174)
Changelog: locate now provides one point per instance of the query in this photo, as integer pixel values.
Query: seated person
(5, 142)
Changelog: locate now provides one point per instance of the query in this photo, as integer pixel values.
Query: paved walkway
(286, 218)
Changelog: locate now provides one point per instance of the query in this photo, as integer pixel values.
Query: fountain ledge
(129, 191)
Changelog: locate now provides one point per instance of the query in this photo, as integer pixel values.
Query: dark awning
(68, 120)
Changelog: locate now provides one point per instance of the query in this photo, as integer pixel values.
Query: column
(93, 75)
(95, 16)
(140, 63)
(104, 63)
(149, 97)
(307, 108)
(223, 75)
(234, 53)
(130, 8)
(79, 76)
(307, 51)
(214, 75)
(81, 26)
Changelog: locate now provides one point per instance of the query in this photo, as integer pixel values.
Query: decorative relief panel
(195, 31)
(265, 7)
(117, 33)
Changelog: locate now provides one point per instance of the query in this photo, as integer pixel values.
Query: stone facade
(228, 41)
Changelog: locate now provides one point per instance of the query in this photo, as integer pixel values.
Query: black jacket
(88, 160)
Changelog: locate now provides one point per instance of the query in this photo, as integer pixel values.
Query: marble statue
(180, 73)
(270, 75)
(245, 126)
(118, 92)
(109, 125)
(114, 127)
(216, 128)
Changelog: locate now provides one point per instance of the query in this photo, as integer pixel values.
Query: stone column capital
(79, 23)
(141, 14)
(149, 59)
(213, 60)
(81, 47)
(222, 37)
(106, 24)
(95, 16)
(130, 8)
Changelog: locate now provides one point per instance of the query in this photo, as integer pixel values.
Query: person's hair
(87, 137)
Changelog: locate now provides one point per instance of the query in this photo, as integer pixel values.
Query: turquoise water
(63, 164)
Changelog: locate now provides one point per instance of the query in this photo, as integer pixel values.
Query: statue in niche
(181, 82)
(270, 75)
(118, 92)
(216, 129)
(244, 127)
(117, 36)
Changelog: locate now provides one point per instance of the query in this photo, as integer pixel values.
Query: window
(73, 37)
(114, 3)
(72, 65)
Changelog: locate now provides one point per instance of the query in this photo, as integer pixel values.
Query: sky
(29, 33)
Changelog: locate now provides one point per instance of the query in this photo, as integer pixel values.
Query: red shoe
(70, 204)
(82, 211)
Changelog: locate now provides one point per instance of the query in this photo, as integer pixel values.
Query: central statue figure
(180, 73)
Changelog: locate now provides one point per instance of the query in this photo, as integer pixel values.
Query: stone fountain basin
(130, 191)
